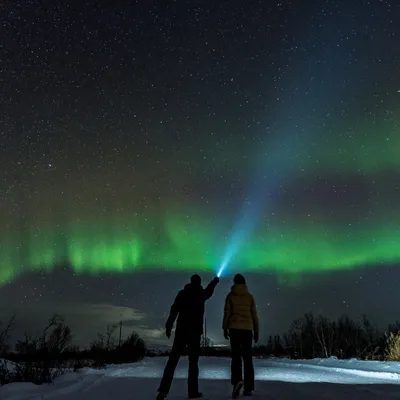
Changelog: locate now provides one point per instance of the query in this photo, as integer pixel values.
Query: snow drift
(275, 379)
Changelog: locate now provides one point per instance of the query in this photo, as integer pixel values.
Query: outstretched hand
(216, 279)
(226, 334)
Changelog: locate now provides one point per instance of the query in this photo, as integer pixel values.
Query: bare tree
(5, 332)
(60, 338)
(110, 340)
(51, 322)
(301, 338)
(326, 334)
(28, 344)
(105, 341)
(56, 335)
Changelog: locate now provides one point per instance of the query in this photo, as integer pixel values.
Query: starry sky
(141, 142)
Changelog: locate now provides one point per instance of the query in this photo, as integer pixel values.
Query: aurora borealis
(357, 225)
(142, 140)
(92, 250)
(309, 240)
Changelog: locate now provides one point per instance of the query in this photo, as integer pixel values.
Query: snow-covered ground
(275, 379)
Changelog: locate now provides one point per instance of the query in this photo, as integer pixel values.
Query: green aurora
(187, 244)
(107, 242)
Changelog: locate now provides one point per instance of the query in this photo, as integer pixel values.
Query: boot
(236, 390)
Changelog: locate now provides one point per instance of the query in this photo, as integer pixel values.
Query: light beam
(301, 117)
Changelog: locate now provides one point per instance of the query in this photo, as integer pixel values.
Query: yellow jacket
(240, 310)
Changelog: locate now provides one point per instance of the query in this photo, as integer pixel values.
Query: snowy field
(275, 379)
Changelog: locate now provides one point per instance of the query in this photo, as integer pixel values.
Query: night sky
(144, 141)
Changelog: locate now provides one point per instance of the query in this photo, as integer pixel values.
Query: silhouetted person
(240, 321)
(189, 308)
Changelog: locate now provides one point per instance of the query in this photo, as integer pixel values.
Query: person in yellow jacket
(240, 321)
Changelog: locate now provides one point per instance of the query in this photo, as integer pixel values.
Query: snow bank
(7, 364)
(275, 379)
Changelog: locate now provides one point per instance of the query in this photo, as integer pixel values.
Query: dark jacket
(189, 308)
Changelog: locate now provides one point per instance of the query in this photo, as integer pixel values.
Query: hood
(239, 290)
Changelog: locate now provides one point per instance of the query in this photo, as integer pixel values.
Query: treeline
(312, 336)
(40, 359)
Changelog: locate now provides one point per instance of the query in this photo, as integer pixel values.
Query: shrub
(392, 352)
(132, 349)
(5, 373)
(39, 359)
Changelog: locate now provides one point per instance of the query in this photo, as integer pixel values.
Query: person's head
(195, 280)
(239, 279)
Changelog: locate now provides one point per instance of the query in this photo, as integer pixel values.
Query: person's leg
(236, 365)
(247, 352)
(194, 355)
(177, 348)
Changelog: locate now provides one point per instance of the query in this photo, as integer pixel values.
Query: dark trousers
(242, 348)
(180, 342)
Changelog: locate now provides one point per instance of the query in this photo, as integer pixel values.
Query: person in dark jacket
(240, 321)
(188, 307)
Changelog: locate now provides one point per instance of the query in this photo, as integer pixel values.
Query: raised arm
(173, 314)
(209, 290)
